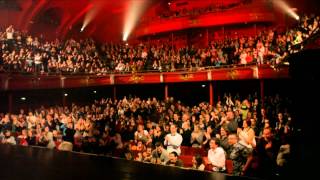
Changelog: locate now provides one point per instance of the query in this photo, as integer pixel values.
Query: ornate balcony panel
(143, 78)
(257, 12)
(19, 82)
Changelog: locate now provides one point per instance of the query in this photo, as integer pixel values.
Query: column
(255, 29)
(211, 93)
(114, 92)
(64, 99)
(172, 40)
(207, 37)
(10, 102)
(166, 91)
(262, 92)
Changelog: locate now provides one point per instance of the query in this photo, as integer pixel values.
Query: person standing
(173, 140)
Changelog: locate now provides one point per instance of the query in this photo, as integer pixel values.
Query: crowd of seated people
(254, 137)
(23, 53)
(215, 7)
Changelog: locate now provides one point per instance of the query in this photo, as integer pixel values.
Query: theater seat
(200, 151)
(184, 150)
(191, 151)
(229, 166)
(187, 160)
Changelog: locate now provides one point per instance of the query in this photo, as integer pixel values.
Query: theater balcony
(181, 15)
(29, 82)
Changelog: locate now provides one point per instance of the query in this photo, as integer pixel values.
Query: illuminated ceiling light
(82, 29)
(286, 8)
(203, 85)
(23, 98)
(95, 92)
(135, 10)
(65, 94)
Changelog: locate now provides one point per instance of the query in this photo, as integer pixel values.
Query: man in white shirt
(173, 140)
(216, 156)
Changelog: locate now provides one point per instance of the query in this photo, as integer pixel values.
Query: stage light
(135, 10)
(82, 29)
(285, 7)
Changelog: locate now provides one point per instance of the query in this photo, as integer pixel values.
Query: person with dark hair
(173, 160)
(271, 148)
(8, 138)
(197, 162)
(158, 135)
(159, 154)
(69, 133)
(68, 138)
(207, 136)
(247, 135)
(223, 137)
(31, 139)
(147, 154)
(216, 156)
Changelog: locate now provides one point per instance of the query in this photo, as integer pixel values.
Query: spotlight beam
(134, 12)
(285, 7)
(91, 14)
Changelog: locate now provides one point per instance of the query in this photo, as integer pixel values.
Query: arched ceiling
(107, 24)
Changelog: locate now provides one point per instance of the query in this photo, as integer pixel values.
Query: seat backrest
(229, 166)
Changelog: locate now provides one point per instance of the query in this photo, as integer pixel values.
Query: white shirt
(139, 135)
(243, 139)
(10, 33)
(217, 157)
(174, 142)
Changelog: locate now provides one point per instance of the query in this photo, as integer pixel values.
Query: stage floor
(18, 162)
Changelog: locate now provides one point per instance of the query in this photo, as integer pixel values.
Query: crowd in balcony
(21, 52)
(212, 8)
(255, 137)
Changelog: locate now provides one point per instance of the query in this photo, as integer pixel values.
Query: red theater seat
(187, 160)
(184, 150)
(229, 166)
(191, 151)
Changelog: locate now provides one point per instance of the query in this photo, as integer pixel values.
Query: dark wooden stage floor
(18, 162)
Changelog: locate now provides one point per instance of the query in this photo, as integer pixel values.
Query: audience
(147, 131)
(23, 53)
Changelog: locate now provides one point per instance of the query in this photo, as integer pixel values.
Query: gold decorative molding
(186, 77)
(233, 74)
(136, 78)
